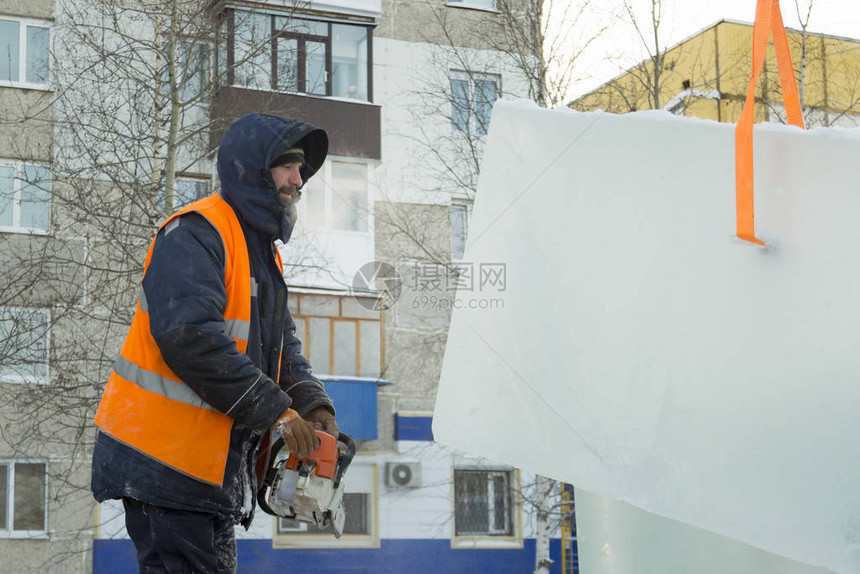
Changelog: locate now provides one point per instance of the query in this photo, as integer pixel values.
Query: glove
(298, 433)
(322, 419)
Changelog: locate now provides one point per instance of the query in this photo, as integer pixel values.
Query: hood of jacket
(246, 152)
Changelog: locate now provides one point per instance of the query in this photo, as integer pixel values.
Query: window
(337, 197)
(24, 345)
(192, 64)
(192, 71)
(459, 216)
(339, 336)
(300, 53)
(253, 51)
(485, 4)
(483, 503)
(349, 61)
(188, 190)
(295, 54)
(472, 99)
(25, 197)
(359, 506)
(25, 53)
(23, 506)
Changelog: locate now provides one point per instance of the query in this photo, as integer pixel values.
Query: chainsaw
(310, 489)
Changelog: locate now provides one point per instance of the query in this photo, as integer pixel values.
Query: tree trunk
(544, 487)
(175, 108)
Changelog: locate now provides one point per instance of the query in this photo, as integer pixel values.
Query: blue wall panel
(355, 405)
(394, 556)
(114, 557)
(413, 427)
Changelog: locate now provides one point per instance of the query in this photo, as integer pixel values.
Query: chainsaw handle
(345, 458)
(261, 500)
(276, 449)
(269, 475)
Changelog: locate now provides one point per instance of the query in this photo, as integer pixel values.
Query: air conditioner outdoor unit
(403, 474)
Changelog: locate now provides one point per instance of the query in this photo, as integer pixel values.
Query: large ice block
(616, 538)
(646, 354)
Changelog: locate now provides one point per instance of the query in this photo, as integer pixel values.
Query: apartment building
(101, 141)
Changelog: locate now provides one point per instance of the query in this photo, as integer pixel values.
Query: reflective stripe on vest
(155, 383)
(145, 405)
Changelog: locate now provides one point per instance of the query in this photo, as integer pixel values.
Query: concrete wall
(414, 338)
(66, 547)
(28, 8)
(424, 159)
(42, 271)
(435, 22)
(51, 422)
(26, 130)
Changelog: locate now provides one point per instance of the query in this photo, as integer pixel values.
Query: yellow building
(707, 75)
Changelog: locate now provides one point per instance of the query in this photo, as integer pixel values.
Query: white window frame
(262, 47)
(23, 23)
(196, 179)
(303, 318)
(10, 500)
(183, 177)
(16, 201)
(514, 539)
(284, 539)
(300, 58)
(187, 178)
(470, 78)
(473, 4)
(324, 177)
(17, 378)
(186, 45)
(203, 70)
(467, 210)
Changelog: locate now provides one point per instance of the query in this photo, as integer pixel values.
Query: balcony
(355, 403)
(353, 127)
(365, 8)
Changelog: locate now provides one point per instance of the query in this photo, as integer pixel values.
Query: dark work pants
(179, 541)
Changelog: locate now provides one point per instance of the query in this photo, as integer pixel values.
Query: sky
(685, 18)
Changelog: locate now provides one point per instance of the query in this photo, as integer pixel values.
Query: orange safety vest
(145, 405)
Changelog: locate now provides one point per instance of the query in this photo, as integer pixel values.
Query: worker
(211, 363)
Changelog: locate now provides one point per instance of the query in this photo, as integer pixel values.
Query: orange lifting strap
(768, 20)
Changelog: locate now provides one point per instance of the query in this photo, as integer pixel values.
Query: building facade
(111, 112)
(707, 75)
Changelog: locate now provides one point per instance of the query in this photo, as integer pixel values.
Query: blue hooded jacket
(184, 288)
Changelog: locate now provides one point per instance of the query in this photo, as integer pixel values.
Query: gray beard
(289, 215)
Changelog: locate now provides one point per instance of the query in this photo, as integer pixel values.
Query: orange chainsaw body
(325, 455)
(309, 489)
